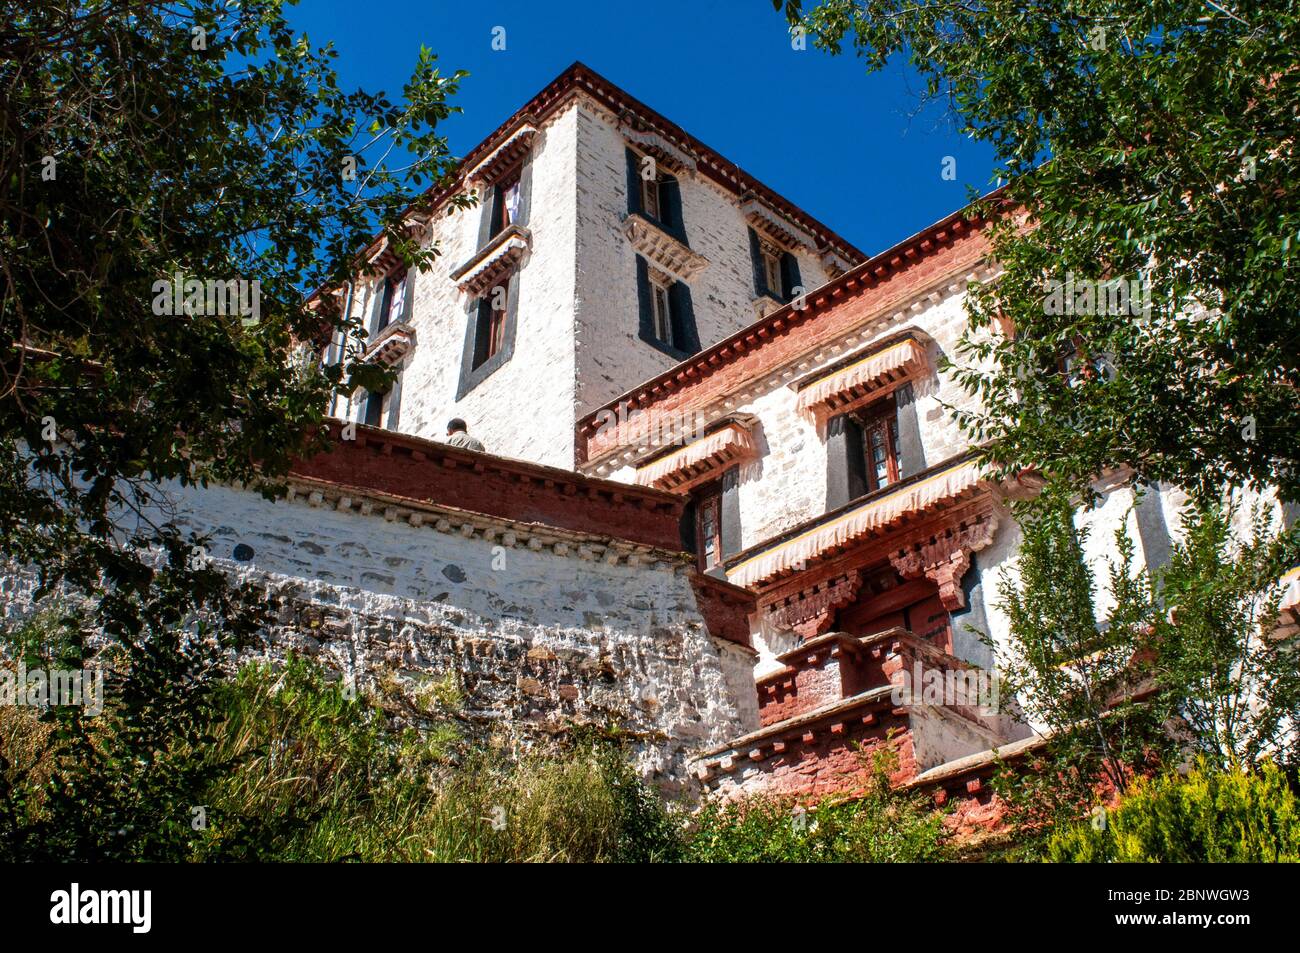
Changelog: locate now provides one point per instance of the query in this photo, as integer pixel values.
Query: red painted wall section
(403, 466)
(726, 608)
(835, 758)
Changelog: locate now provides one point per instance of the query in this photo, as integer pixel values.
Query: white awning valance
(699, 460)
(874, 514)
(860, 380)
(504, 157)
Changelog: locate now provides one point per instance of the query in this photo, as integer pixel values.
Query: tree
(1233, 684)
(1080, 676)
(1185, 663)
(1148, 142)
(173, 178)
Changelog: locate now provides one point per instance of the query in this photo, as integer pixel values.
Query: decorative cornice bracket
(662, 250)
(944, 557)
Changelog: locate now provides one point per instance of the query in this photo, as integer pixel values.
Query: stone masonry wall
(536, 640)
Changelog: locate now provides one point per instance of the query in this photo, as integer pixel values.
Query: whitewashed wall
(611, 358)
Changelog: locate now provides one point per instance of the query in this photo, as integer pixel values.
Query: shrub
(883, 825)
(1208, 816)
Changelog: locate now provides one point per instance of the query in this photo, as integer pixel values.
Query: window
(772, 269)
(374, 410)
(776, 271)
(708, 525)
(880, 444)
(506, 206)
(490, 333)
(392, 296)
(652, 197)
(663, 315)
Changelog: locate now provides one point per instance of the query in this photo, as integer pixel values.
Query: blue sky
(839, 143)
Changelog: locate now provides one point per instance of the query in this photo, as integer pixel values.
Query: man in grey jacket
(458, 437)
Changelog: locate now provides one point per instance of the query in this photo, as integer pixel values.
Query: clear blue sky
(817, 129)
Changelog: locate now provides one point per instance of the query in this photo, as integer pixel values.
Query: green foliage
(121, 785)
(1231, 683)
(1169, 127)
(1212, 815)
(1187, 663)
(280, 763)
(1070, 670)
(144, 140)
(882, 826)
(287, 765)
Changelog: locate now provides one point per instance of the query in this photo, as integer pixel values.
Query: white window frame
(651, 194)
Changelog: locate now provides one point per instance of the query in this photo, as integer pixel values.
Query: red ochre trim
(581, 77)
(954, 244)
(726, 608)
(401, 465)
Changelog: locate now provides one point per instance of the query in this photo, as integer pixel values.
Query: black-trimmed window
(374, 412)
(776, 271)
(771, 266)
(654, 195)
(708, 525)
(507, 204)
(879, 424)
(390, 300)
(873, 448)
(711, 521)
(490, 323)
(661, 305)
(666, 313)
(490, 330)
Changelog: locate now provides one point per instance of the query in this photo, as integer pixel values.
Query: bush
(883, 826)
(281, 763)
(1208, 816)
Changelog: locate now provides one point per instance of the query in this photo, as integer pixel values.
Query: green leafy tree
(1188, 663)
(1079, 675)
(1147, 140)
(146, 144)
(1231, 681)
(146, 140)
